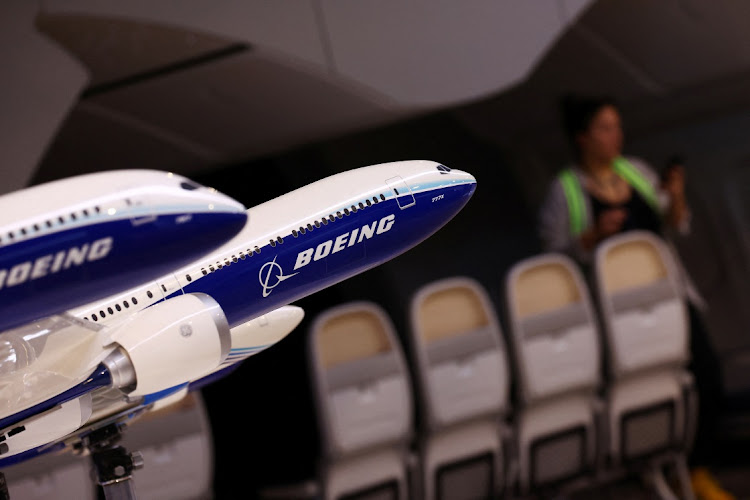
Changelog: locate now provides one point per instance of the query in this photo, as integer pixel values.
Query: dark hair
(577, 113)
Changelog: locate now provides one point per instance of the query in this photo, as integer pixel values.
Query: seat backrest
(458, 350)
(553, 327)
(644, 315)
(361, 383)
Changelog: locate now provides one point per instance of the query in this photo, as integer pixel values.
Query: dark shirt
(640, 215)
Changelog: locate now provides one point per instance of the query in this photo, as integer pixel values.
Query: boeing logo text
(52, 263)
(344, 240)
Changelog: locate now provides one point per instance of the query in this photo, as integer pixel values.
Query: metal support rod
(113, 464)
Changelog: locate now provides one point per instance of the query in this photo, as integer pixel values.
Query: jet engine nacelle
(169, 344)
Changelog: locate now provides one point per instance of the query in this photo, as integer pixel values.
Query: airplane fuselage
(312, 238)
(90, 236)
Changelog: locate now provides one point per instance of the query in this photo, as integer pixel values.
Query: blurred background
(259, 98)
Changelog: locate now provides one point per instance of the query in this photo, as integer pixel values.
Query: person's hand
(610, 222)
(674, 183)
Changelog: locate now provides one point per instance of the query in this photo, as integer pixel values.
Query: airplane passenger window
(15, 431)
(150, 295)
(134, 300)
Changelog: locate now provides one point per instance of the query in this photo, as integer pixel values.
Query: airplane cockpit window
(189, 186)
(443, 169)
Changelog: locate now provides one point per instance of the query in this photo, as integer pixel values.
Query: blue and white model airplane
(89, 236)
(146, 347)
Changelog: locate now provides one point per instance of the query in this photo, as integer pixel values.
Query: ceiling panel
(676, 42)
(244, 105)
(438, 53)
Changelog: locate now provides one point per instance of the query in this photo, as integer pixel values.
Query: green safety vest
(575, 196)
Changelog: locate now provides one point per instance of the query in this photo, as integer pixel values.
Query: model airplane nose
(463, 176)
(221, 202)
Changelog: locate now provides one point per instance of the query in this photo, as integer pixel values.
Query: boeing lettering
(344, 240)
(52, 263)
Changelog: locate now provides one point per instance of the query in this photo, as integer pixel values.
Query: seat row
(586, 383)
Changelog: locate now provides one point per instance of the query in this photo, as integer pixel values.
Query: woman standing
(603, 192)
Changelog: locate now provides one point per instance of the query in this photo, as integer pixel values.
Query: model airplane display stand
(113, 464)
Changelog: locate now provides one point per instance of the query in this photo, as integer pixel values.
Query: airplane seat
(364, 403)
(555, 342)
(461, 367)
(651, 398)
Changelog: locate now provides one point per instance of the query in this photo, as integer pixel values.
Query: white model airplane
(89, 236)
(67, 378)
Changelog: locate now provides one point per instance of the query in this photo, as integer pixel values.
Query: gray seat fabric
(650, 394)
(555, 339)
(462, 373)
(364, 403)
